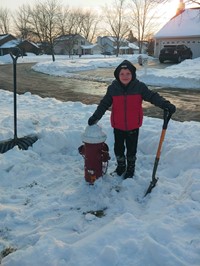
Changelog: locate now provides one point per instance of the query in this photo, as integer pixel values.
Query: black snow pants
(126, 140)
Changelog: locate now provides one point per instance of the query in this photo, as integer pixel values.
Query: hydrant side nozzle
(105, 153)
(81, 150)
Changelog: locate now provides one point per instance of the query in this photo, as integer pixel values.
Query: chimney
(181, 8)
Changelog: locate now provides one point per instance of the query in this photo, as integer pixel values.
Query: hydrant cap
(93, 134)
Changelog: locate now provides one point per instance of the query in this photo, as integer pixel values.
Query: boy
(126, 94)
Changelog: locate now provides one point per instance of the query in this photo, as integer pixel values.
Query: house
(184, 28)
(29, 47)
(72, 44)
(109, 45)
(6, 40)
(130, 48)
(91, 49)
(9, 43)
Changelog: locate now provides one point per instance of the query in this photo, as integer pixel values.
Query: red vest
(127, 113)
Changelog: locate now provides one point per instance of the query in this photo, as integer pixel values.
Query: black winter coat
(126, 102)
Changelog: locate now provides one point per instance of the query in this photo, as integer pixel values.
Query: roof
(14, 43)
(114, 39)
(32, 43)
(187, 24)
(89, 46)
(10, 44)
(133, 46)
(2, 36)
(67, 37)
(130, 45)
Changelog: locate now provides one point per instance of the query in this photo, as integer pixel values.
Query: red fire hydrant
(95, 153)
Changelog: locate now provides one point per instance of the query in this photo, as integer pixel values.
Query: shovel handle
(18, 54)
(14, 58)
(160, 143)
(167, 116)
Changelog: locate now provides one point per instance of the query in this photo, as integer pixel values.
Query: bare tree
(188, 2)
(116, 19)
(63, 20)
(78, 21)
(143, 19)
(38, 21)
(89, 25)
(4, 20)
(45, 21)
(75, 21)
(22, 21)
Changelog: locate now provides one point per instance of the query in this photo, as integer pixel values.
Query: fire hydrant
(95, 153)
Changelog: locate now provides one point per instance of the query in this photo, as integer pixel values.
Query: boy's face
(125, 76)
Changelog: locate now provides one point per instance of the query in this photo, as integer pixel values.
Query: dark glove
(169, 107)
(92, 120)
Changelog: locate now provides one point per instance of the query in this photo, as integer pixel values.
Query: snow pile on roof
(186, 24)
(10, 44)
(2, 36)
(89, 46)
(133, 46)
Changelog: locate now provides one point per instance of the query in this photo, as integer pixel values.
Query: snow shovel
(154, 180)
(24, 142)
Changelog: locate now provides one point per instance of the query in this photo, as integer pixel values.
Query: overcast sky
(76, 3)
(168, 11)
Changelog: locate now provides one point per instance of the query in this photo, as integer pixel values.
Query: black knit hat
(125, 65)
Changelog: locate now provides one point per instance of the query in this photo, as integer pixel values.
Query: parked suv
(175, 53)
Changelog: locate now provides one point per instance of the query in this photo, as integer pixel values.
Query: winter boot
(130, 168)
(121, 165)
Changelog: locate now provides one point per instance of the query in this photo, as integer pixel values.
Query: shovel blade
(23, 143)
(151, 186)
(7, 145)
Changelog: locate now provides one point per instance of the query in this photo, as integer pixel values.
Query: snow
(184, 75)
(185, 24)
(93, 135)
(10, 44)
(47, 210)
